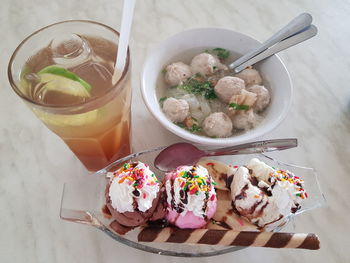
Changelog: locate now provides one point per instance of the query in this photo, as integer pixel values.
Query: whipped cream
(260, 169)
(134, 182)
(266, 196)
(190, 188)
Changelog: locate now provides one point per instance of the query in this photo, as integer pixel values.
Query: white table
(35, 163)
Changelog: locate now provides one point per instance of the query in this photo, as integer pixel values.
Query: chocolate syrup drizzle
(263, 191)
(179, 208)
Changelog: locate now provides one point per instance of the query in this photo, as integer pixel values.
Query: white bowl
(272, 70)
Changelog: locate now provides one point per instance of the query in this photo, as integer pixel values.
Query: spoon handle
(293, 27)
(256, 147)
(309, 32)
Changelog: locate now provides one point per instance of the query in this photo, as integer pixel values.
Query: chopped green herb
(197, 75)
(193, 118)
(238, 107)
(197, 87)
(162, 99)
(195, 128)
(181, 125)
(221, 53)
(125, 166)
(164, 70)
(215, 67)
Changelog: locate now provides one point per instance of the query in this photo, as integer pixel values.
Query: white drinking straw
(128, 13)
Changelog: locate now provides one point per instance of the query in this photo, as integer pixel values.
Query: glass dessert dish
(83, 201)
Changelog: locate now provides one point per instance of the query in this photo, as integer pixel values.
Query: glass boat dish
(83, 199)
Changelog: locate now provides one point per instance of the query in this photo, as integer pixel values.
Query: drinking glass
(97, 130)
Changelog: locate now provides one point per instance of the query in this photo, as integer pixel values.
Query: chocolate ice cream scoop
(134, 195)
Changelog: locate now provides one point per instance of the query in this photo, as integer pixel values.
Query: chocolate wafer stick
(229, 238)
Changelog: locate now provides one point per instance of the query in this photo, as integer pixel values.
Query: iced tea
(69, 83)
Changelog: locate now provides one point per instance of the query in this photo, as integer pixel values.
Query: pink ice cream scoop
(191, 197)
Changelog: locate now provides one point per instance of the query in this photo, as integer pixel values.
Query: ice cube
(70, 50)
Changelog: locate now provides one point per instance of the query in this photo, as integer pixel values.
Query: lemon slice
(75, 120)
(61, 80)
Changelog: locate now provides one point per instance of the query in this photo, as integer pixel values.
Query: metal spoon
(187, 154)
(309, 32)
(298, 30)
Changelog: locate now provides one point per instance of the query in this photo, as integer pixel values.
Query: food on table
(206, 64)
(227, 87)
(245, 120)
(217, 124)
(262, 99)
(176, 73)
(176, 110)
(224, 217)
(133, 195)
(250, 76)
(264, 195)
(246, 200)
(230, 238)
(210, 88)
(191, 196)
(244, 97)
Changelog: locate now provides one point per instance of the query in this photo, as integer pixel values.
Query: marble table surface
(35, 163)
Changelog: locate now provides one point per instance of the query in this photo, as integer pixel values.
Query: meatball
(176, 73)
(217, 124)
(245, 120)
(227, 87)
(263, 97)
(250, 76)
(206, 64)
(176, 110)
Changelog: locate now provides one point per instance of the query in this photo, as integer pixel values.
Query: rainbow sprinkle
(194, 183)
(130, 173)
(285, 176)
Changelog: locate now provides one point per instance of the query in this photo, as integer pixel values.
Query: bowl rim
(175, 129)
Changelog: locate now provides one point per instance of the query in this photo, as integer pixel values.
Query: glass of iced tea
(64, 73)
